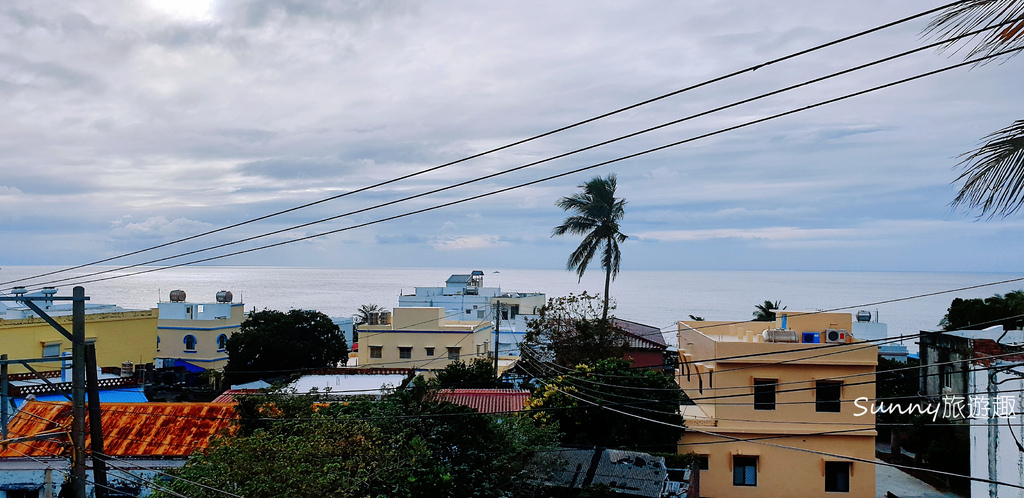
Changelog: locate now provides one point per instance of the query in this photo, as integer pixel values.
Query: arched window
(190, 342)
(222, 342)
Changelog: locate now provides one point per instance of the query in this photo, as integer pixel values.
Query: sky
(124, 125)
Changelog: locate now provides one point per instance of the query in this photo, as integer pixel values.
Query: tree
(994, 172)
(478, 373)
(405, 444)
(272, 342)
(996, 310)
(597, 216)
(766, 312)
(362, 315)
(568, 332)
(585, 406)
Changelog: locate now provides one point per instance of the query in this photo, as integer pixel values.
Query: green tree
(765, 312)
(585, 405)
(272, 343)
(569, 331)
(996, 310)
(597, 216)
(993, 174)
(477, 373)
(405, 444)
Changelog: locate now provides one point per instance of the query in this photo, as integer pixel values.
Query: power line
(570, 172)
(519, 142)
(524, 166)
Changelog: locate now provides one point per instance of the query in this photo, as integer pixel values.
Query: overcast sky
(128, 124)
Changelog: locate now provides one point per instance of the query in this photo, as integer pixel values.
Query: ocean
(656, 298)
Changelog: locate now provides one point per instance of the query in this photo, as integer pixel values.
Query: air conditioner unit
(835, 335)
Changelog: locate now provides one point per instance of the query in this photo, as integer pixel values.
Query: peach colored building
(789, 383)
(422, 339)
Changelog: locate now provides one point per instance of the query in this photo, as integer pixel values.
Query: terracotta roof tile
(486, 400)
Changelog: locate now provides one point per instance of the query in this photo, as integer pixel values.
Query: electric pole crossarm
(53, 323)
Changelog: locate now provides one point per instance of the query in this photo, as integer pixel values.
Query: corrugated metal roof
(486, 400)
(129, 429)
(231, 395)
(641, 336)
(126, 395)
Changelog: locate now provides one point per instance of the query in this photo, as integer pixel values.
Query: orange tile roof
(129, 429)
(231, 395)
(486, 400)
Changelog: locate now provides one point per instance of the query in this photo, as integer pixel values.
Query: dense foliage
(405, 444)
(1007, 311)
(273, 343)
(609, 404)
(477, 373)
(569, 331)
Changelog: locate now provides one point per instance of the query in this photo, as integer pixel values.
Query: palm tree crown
(596, 218)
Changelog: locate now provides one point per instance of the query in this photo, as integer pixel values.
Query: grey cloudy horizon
(130, 124)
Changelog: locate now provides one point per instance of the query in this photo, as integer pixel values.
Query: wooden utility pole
(99, 463)
(497, 336)
(78, 390)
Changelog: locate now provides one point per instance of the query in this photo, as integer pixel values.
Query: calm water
(657, 298)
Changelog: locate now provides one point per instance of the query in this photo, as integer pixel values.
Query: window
(405, 352)
(480, 314)
(764, 394)
(827, 396)
(222, 342)
(837, 477)
(453, 353)
(376, 351)
(703, 461)
(50, 350)
(744, 470)
(504, 314)
(430, 351)
(190, 342)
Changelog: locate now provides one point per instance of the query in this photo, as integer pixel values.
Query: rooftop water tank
(863, 316)
(177, 296)
(780, 335)
(224, 297)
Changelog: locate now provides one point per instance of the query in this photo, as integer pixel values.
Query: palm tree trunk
(607, 283)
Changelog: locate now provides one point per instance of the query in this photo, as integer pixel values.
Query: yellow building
(421, 338)
(195, 334)
(119, 335)
(780, 383)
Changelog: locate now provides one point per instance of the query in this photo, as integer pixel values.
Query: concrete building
(946, 357)
(783, 380)
(465, 298)
(194, 334)
(120, 335)
(997, 433)
(422, 339)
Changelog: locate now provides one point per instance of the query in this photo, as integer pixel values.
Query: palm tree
(766, 312)
(597, 216)
(993, 174)
(362, 315)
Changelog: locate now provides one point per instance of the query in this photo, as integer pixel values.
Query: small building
(755, 381)
(645, 345)
(423, 339)
(120, 335)
(194, 334)
(996, 432)
(946, 357)
(141, 439)
(464, 298)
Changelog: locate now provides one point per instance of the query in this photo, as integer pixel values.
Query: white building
(465, 298)
(998, 432)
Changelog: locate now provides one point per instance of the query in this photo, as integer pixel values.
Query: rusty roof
(486, 400)
(129, 429)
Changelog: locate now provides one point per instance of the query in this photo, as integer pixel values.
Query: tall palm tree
(597, 216)
(993, 174)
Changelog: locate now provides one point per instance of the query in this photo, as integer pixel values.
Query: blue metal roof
(123, 395)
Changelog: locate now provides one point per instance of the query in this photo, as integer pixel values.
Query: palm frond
(994, 173)
(1006, 17)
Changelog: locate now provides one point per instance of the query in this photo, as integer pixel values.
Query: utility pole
(3, 396)
(497, 336)
(77, 338)
(99, 463)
